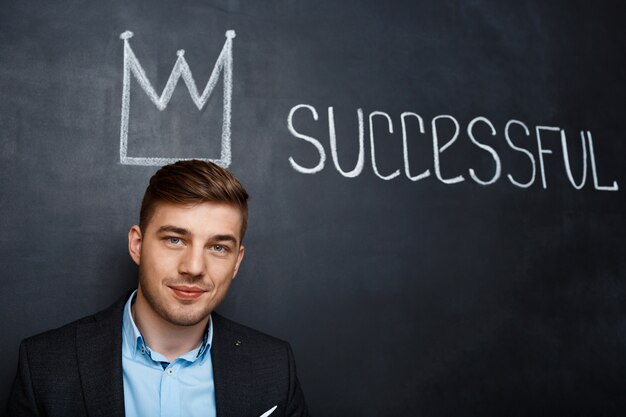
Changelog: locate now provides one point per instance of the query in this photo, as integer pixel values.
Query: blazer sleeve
(22, 397)
(296, 406)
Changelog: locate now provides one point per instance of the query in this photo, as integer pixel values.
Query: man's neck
(170, 340)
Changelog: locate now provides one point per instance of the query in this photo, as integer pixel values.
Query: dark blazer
(76, 370)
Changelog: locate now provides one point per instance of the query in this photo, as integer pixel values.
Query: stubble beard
(179, 313)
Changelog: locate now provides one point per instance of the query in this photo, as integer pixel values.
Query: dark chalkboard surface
(437, 215)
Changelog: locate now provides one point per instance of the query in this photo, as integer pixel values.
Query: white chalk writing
(441, 142)
(132, 66)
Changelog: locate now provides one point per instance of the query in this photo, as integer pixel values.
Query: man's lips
(185, 292)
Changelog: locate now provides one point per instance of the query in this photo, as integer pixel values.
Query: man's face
(187, 257)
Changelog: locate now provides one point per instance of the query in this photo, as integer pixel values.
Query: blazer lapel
(221, 357)
(99, 352)
(240, 372)
(230, 394)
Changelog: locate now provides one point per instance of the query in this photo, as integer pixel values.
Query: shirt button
(170, 371)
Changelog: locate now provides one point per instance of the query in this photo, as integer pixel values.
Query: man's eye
(174, 240)
(219, 248)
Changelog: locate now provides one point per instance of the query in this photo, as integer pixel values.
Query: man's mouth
(185, 292)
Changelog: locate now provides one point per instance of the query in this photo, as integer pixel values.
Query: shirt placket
(170, 391)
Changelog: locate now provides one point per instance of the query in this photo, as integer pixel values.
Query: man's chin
(185, 314)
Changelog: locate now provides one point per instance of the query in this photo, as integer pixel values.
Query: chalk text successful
(516, 134)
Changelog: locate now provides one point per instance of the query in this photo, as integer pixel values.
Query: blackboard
(413, 274)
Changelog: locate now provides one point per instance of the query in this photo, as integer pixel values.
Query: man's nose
(193, 262)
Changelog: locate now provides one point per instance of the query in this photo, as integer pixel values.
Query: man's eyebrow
(174, 229)
(224, 238)
(184, 232)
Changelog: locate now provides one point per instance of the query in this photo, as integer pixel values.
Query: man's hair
(193, 182)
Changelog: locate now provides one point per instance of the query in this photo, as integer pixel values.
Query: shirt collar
(134, 343)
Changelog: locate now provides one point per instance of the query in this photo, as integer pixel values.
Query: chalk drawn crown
(132, 66)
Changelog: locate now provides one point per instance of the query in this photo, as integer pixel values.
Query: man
(162, 350)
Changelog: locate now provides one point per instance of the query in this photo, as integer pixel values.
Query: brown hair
(193, 182)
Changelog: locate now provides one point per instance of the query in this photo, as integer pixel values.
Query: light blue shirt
(183, 388)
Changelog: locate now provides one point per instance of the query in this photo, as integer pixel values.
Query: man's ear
(134, 243)
(239, 259)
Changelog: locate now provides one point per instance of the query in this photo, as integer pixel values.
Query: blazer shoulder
(226, 325)
(64, 371)
(57, 341)
(238, 331)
